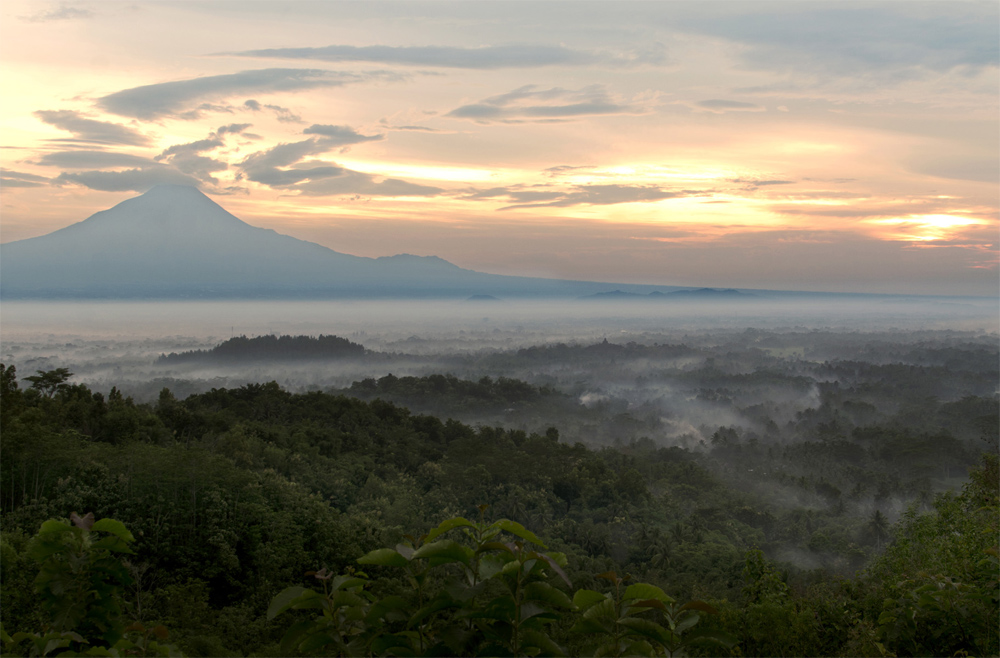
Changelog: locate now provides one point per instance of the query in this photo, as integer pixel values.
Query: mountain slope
(175, 242)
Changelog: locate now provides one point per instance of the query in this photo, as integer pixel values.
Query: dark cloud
(607, 195)
(722, 105)
(10, 178)
(487, 57)
(61, 13)
(138, 180)
(518, 194)
(340, 135)
(529, 103)
(423, 129)
(266, 166)
(84, 159)
(90, 130)
(180, 97)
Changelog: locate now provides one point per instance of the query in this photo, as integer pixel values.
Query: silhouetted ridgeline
(271, 348)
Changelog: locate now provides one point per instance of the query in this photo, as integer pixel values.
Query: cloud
(9, 178)
(191, 147)
(61, 13)
(485, 57)
(888, 41)
(607, 195)
(752, 184)
(340, 135)
(138, 180)
(232, 129)
(719, 106)
(286, 167)
(91, 160)
(90, 130)
(177, 98)
(356, 182)
(283, 114)
(529, 103)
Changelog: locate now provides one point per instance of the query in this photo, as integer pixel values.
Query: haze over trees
(827, 511)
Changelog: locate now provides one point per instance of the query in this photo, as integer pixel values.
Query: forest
(743, 493)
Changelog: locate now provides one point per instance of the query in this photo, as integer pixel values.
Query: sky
(845, 146)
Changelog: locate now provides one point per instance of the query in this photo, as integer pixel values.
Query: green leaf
(716, 637)
(385, 608)
(699, 605)
(546, 594)
(647, 604)
(515, 528)
(554, 564)
(382, 644)
(584, 598)
(589, 626)
(533, 638)
(646, 591)
(686, 623)
(283, 601)
(384, 557)
(436, 605)
(290, 640)
(491, 565)
(646, 628)
(116, 528)
(450, 524)
(347, 582)
(447, 550)
(316, 641)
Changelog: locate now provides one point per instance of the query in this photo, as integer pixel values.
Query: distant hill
(270, 348)
(706, 294)
(173, 242)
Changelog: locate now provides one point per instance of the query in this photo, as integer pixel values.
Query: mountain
(175, 242)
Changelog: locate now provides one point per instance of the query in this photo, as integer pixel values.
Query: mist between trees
(672, 458)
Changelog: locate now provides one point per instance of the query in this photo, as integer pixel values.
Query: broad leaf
(515, 528)
(384, 557)
(646, 591)
(116, 528)
(547, 594)
(283, 601)
(450, 524)
(584, 598)
(446, 550)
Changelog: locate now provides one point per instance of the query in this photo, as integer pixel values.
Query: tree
(47, 382)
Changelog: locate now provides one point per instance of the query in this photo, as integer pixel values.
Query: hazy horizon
(778, 146)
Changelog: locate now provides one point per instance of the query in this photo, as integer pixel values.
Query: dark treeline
(270, 347)
(232, 495)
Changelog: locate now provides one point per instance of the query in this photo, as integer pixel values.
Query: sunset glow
(651, 140)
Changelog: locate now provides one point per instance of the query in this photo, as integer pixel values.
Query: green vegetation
(255, 521)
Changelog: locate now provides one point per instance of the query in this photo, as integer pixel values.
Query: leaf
(387, 606)
(446, 549)
(584, 598)
(717, 637)
(283, 601)
(646, 591)
(686, 623)
(494, 546)
(382, 644)
(605, 610)
(556, 567)
(589, 626)
(699, 605)
(85, 522)
(384, 557)
(116, 528)
(547, 594)
(347, 582)
(646, 628)
(436, 605)
(533, 638)
(316, 641)
(450, 524)
(609, 576)
(647, 604)
(515, 528)
(491, 565)
(290, 640)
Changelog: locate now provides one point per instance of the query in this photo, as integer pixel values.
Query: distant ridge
(676, 295)
(173, 242)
